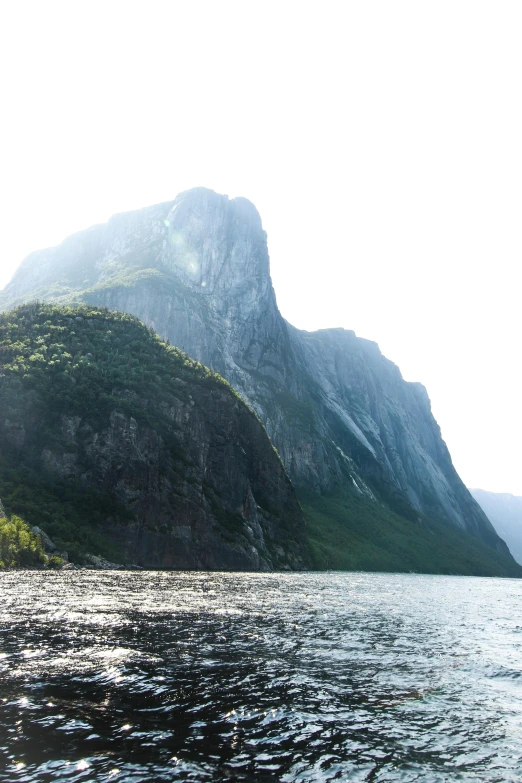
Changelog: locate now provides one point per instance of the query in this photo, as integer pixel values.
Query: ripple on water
(287, 677)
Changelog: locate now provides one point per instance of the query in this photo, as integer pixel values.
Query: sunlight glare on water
(160, 676)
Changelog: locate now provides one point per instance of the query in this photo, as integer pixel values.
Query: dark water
(307, 677)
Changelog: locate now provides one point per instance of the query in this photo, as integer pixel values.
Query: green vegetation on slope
(81, 283)
(72, 517)
(349, 532)
(19, 546)
(79, 357)
(82, 361)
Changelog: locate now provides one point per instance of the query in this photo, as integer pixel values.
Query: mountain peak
(214, 242)
(210, 202)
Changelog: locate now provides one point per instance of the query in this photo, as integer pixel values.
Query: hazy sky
(380, 141)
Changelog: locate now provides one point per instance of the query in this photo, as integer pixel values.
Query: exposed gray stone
(47, 544)
(102, 563)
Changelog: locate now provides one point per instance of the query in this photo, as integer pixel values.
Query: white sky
(380, 141)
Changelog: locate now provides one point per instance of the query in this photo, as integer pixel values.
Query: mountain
(115, 443)
(350, 431)
(505, 512)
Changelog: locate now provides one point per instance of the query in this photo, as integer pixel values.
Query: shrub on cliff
(55, 562)
(19, 546)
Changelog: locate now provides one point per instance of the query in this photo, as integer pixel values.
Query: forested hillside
(118, 444)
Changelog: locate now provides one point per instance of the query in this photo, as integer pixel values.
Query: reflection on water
(299, 677)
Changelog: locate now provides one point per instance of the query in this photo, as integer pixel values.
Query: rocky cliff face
(197, 271)
(152, 452)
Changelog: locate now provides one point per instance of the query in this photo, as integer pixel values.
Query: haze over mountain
(505, 513)
(339, 413)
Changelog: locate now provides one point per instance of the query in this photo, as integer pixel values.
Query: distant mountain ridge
(339, 413)
(505, 513)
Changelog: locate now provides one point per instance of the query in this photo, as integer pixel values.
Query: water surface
(240, 677)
